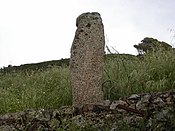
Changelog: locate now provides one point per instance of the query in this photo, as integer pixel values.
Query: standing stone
(87, 60)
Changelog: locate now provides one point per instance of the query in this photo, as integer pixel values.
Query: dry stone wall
(86, 62)
(138, 112)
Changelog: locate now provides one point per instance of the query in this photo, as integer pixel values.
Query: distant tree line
(35, 66)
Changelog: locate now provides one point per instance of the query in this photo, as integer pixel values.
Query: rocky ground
(144, 112)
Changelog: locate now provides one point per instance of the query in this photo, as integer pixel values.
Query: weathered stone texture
(86, 63)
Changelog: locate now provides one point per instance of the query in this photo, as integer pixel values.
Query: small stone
(146, 98)
(132, 120)
(66, 110)
(165, 95)
(173, 97)
(160, 116)
(134, 97)
(106, 103)
(113, 129)
(159, 102)
(116, 103)
(78, 120)
(143, 103)
(133, 106)
(87, 107)
(149, 123)
(6, 128)
(108, 116)
(169, 101)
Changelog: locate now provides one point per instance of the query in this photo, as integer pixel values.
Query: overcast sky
(41, 30)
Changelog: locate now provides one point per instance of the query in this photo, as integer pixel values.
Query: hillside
(36, 66)
(138, 93)
(48, 64)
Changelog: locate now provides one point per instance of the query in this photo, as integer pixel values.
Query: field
(50, 88)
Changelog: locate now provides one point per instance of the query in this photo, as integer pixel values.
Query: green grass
(47, 89)
(123, 75)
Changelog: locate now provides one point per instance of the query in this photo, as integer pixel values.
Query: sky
(34, 31)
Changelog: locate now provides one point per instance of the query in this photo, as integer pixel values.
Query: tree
(151, 44)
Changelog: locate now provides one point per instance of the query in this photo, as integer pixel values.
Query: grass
(125, 76)
(51, 88)
(47, 89)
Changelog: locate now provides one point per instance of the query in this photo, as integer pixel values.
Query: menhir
(87, 60)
